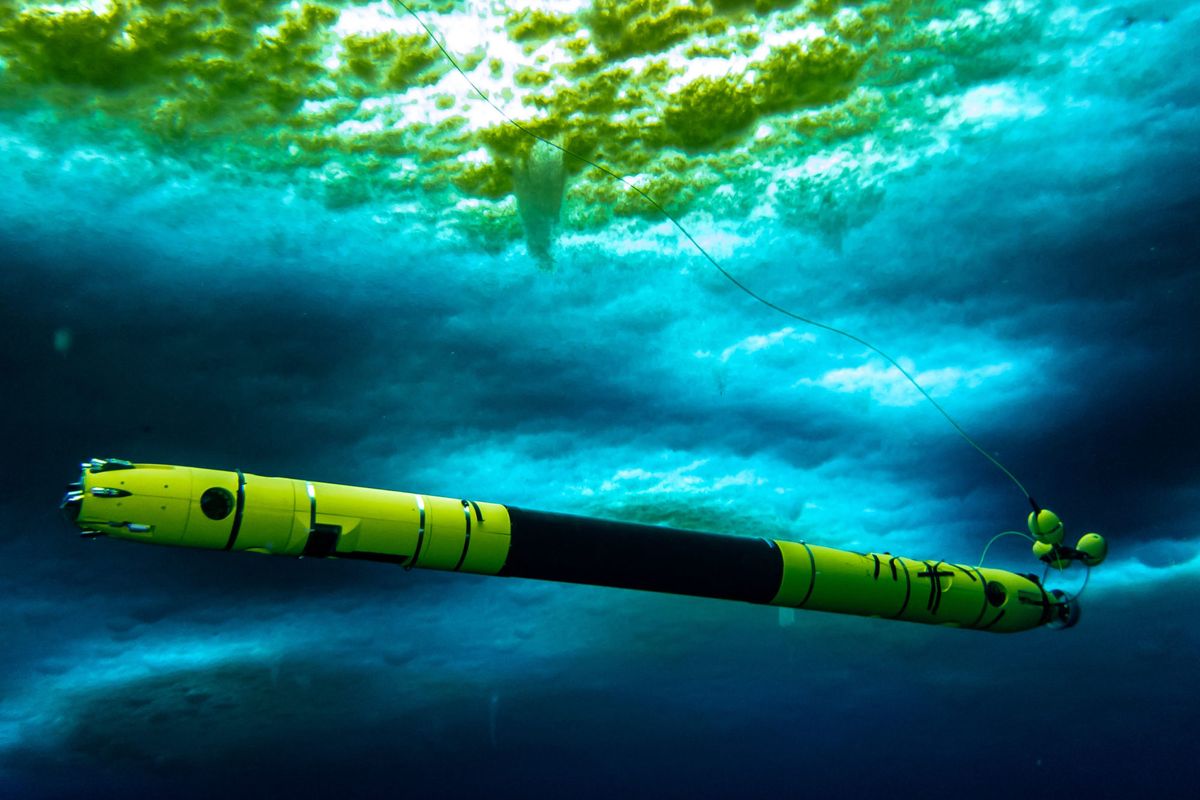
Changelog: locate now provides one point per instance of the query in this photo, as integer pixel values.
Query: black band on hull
(237, 514)
(559, 547)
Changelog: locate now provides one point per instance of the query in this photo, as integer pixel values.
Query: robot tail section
(232, 510)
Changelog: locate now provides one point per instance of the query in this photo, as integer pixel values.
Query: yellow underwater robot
(232, 510)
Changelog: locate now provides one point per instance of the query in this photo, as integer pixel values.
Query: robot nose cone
(78, 491)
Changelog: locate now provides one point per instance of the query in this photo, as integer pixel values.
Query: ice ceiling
(732, 109)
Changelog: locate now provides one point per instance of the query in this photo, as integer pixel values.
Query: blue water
(1035, 266)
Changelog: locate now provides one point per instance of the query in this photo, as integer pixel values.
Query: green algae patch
(530, 77)
(708, 112)
(89, 49)
(353, 114)
(671, 191)
(532, 25)
(413, 55)
(393, 62)
(492, 181)
(859, 115)
(709, 49)
(623, 28)
(182, 72)
(757, 6)
(816, 73)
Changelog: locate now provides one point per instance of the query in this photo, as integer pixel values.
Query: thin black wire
(729, 277)
(992, 541)
(1087, 576)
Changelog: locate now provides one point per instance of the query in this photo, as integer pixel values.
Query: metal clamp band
(466, 505)
(412, 562)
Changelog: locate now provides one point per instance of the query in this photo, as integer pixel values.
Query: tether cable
(715, 264)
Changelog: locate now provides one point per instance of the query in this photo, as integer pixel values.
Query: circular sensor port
(995, 593)
(216, 503)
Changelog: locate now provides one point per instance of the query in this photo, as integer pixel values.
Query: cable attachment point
(1048, 531)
